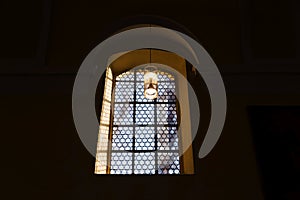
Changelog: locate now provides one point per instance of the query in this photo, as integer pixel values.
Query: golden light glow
(102, 144)
(150, 83)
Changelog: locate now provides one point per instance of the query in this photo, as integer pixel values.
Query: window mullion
(155, 136)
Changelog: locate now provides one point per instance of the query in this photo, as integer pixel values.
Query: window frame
(128, 60)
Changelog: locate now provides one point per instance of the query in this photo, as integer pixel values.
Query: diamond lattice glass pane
(166, 114)
(124, 91)
(144, 138)
(122, 138)
(121, 163)
(140, 75)
(144, 114)
(101, 163)
(144, 163)
(103, 138)
(168, 163)
(105, 113)
(123, 114)
(107, 89)
(167, 138)
(127, 76)
(166, 92)
(165, 76)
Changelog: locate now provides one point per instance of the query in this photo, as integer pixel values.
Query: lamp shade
(150, 83)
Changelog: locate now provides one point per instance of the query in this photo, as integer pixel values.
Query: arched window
(138, 135)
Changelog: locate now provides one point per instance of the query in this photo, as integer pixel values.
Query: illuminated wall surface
(102, 145)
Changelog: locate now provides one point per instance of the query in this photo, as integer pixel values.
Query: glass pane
(122, 138)
(127, 76)
(105, 113)
(144, 163)
(123, 114)
(121, 163)
(167, 138)
(124, 91)
(101, 163)
(166, 92)
(165, 76)
(107, 89)
(103, 138)
(166, 114)
(144, 114)
(168, 163)
(144, 138)
(140, 75)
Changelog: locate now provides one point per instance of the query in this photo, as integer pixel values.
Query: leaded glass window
(143, 132)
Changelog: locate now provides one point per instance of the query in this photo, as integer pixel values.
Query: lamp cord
(150, 57)
(150, 48)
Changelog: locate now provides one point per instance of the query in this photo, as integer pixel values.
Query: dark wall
(254, 43)
(277, 143)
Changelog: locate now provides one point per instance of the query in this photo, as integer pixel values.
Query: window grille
(144, 132)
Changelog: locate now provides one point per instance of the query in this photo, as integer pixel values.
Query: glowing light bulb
(150, 83)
